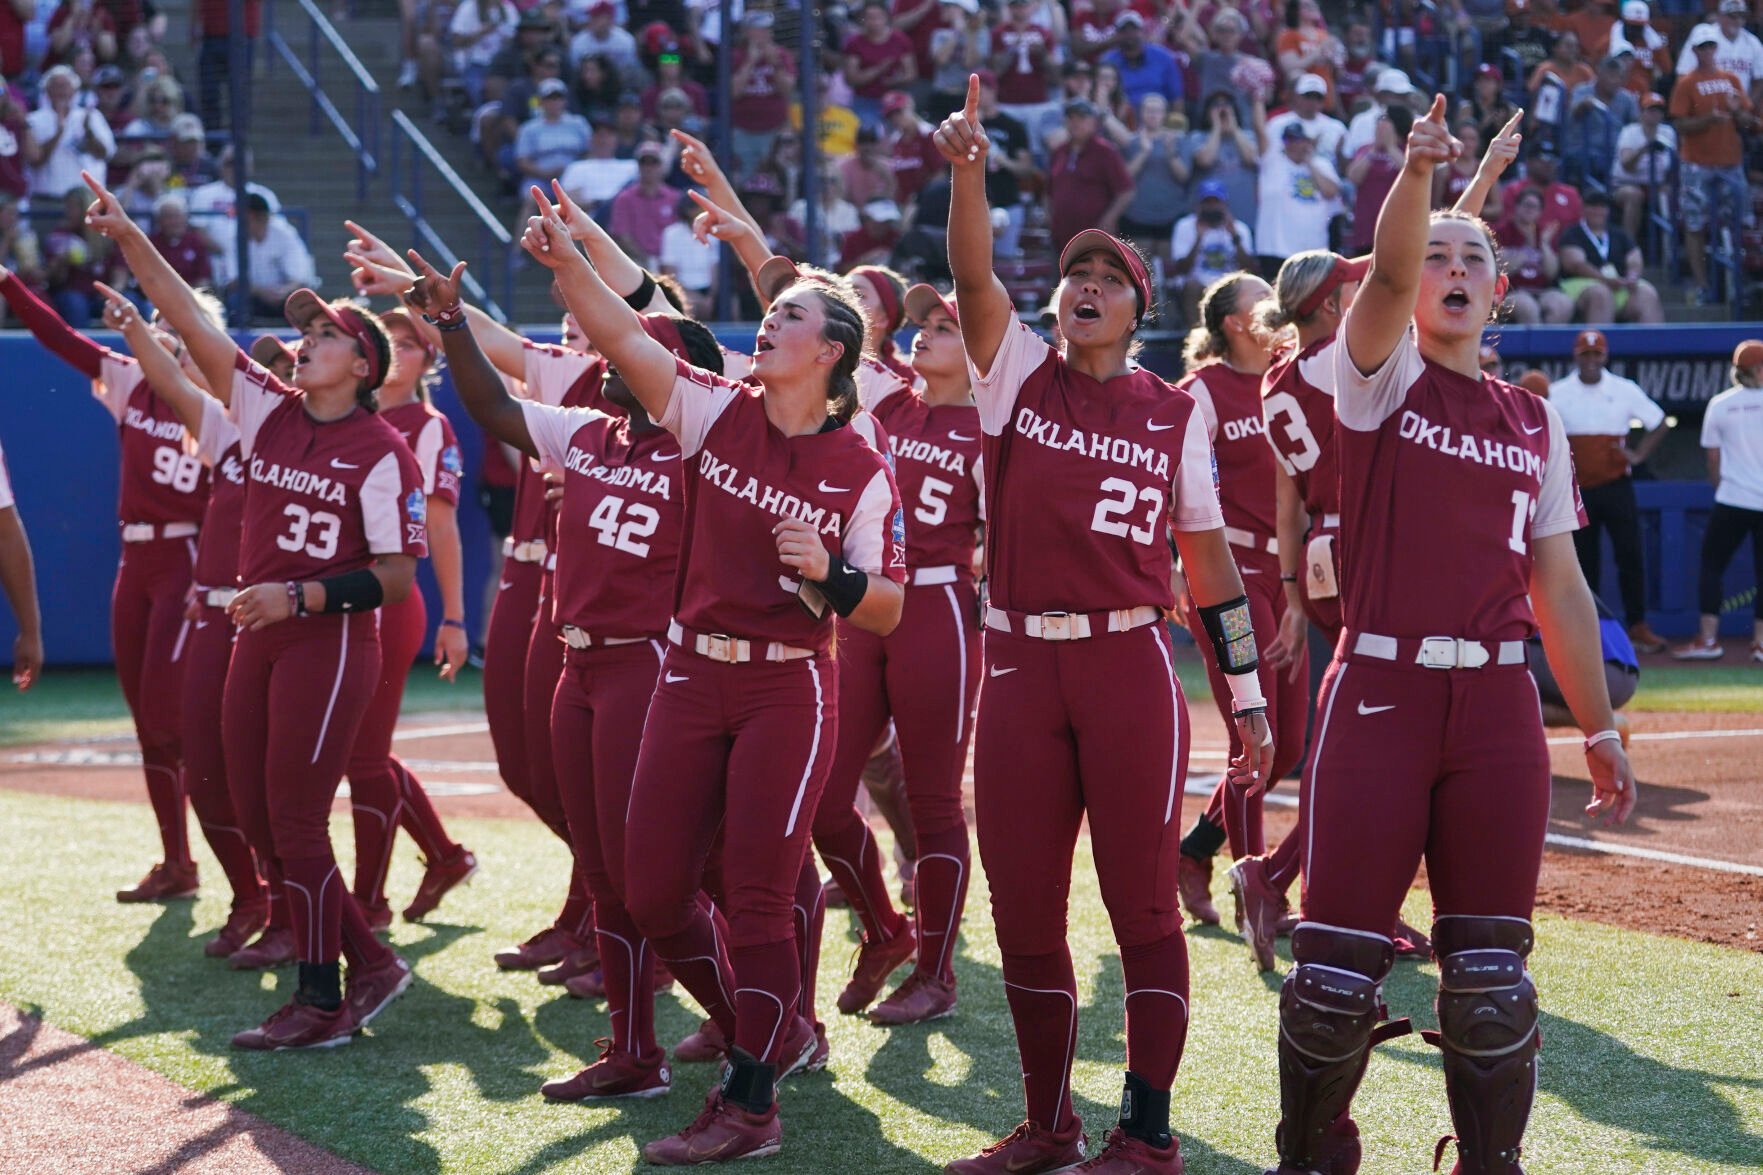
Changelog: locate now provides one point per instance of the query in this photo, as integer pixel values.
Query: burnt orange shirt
(1702, 92)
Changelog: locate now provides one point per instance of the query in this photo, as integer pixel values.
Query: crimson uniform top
(160, 481)
(1230, 405)
(1084, 479)
(216, 445)
(1446, 482)
(620, 523)
(324, 496)
(937, 468)
(430, 437)
(743, 476)
(554, 375)
(1298, 407)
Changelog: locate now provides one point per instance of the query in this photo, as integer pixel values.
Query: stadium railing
(413, 158)
(360, 134)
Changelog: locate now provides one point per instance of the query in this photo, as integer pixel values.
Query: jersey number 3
(1297, 430)
(624, 532)
(1120, 500)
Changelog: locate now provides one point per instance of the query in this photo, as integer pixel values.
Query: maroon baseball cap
(1090, 240)
(303, 305)
(922, 299)
(1591, 340)
(895, 100)
(267, 349)
(401, 316)
(1344, 271)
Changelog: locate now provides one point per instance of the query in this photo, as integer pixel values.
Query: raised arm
(980, 298)
(696, 161)
(475, 378)
(1494, 162)
(210, 345)
(164, 375)
(725, 225)
(49, 328)
(622, 275)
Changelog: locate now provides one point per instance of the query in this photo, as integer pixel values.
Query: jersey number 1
(1524, 508)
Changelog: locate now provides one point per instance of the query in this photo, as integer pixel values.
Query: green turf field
(1651, 1060)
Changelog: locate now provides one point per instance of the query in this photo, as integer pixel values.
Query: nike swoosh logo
(997, 672)
(955, 436)
(672, 680)
(660, 457)
(503, 586)
(1533, 431)
(826, 489)
(1158, 427)
(335, 464)
(1364, 709)
(1249, 570)
(200, 624)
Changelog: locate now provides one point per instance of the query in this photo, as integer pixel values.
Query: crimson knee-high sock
(810, 911)
(316, 895)
(374, 807)
(627, 963)
(237, 861)
(855, 861)
(360, 947)
(698, 958)
(578, 909)
(1156, 976)
(942, 894)
(165, 793)
(419, 817)
(1043, 1004)
(1283, 866)
(275, 886)
(767, 992)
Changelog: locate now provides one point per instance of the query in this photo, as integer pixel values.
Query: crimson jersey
(554, 375)
(323, 497)
(1084, 481)
(1446, 482)
(1297, 403)
(160, 481)
(742, 477)
(217, 447)
(938, 469)
(1230, 405)
(620, 524)
(430, 437)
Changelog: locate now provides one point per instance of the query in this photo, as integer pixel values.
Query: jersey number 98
(176, 469)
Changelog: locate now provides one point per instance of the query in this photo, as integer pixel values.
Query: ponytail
(1207, 341)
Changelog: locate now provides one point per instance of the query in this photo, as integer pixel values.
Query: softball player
(1090, 463)
(333, 525)
(740, 730)
(1430, 738)
(164, 492)
(882, 293)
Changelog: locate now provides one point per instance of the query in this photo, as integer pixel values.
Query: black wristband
(1233, 636)
(844, 586)
(352, 591)
(1288, 578)
(644, 294)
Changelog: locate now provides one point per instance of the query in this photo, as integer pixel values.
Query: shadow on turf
(1661, 805)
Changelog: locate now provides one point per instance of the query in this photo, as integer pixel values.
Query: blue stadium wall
(61, 450)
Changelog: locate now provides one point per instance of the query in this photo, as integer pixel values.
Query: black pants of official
(1727, 528)
(1611, 507)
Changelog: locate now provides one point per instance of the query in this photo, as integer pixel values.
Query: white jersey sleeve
(430, 440)
(217, 433)
(381, 519)
(979, 482)
(871, 537)
(5, 483)
(1020, 355)
(552, 370)
(699, 398)
(256, 393)
(876, 383)
(1193, 497)
(1362, 402)
(1557, 509)
(1208, 410)
(117, 377)
(551, 427)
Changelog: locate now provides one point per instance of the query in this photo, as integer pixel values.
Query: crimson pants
(1412, 763)
(1069, 729)
(205, 660)
(596, 731)
(505, 644)
(147, 636)
(295, 693)
(925, 675)
(743, 749)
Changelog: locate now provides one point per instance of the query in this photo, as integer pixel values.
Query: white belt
(575, 638)
(733, 649)
(218, 597)
(531, 551)
(1248, 538)
(1330, 522)
(146, 532)
(932, 576)
(1441, 652)
(1071, 626)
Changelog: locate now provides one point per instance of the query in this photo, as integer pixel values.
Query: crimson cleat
(584, 960)
(1193, 882)
(372, 988)
(299, 1026)
(615, 1074)
(163, 883)
(707, 1044)
(875, 962)
(1027, 1150)
(273, 948)
(546, 947)
(246, 919)
(1259, 908)
(922, 997)
(721, 1133)
(437, 879)
(378, 915)
(804, 1050)
(589, 986)
(1126, 1155)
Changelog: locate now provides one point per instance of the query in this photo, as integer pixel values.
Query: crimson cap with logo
(1092, 240)
(303, 305)
(267, 350)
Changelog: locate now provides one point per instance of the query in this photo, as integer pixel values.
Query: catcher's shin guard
(1488, 1031)
(1328, 1011)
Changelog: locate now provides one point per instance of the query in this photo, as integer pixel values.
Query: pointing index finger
(1512, 124)
(1437, 113)
(971, 110)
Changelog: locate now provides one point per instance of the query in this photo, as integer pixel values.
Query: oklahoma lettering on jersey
(938, 469)
(619, 527)
(1297, 402)
(160, 482)
(1446, 484)
(429, 434)
(1084, 480)
(555, 375)
(742, 476)
(1230, 405)
(217, 447)
(322, 497)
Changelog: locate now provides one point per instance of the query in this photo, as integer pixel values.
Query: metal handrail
(495, 253)
(363, 136)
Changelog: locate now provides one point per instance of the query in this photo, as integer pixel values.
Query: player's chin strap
(1233, 645)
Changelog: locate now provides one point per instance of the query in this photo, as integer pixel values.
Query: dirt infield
(1701, 800)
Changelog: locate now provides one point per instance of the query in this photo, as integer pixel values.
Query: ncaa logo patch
(416, 508)
(451, 460)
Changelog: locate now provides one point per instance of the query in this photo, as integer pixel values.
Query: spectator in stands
(645, 208)
(1392, 88)
(178, 243)
(147, 182)
(869, 174)
(1529, 41)
(75, 257)
(879, 228)
(1549, 85)
(1223, 151)
(20, 251)
(1352, 75)
(1561, 203)
(837, 216)
(157, 103)
(1309, 94)
(602, 37)
(1532, 266)
(599, 176)
(1486, 105)
(1108, 99)
(213, 212)
(1221, 66)
(1601, 270)
(784, 166)
(958, 47)
(478, 30)
(627, 123)
(1651, 58)
(1373, 173)
(552, 139)
(1095, 28)
(1596, 114)
(1144, 67)
(14, 14)
(1736, 49)
(764, 79)
(1159, 176)
(920, 20)
(71, 138)
(1451, 181)
(277, 261)
(1088, 185)
(111, 97)
(1590, 21)
(688, 260)
(80, 25)
(1299, 195)
(1732, 436)
(1646, 153)
(878, 59)
(1023, 57)
(191, 166)
(673, 111)
(18, 146)
(513, 63)
(596, 89)
(498, 123)
(1599, 409)
(670, 75)
(915, 159)
(1306, 48)
(212, 31)
(1710, 105)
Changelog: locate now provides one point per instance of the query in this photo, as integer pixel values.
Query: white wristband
(1245, 691)
(1603, 736)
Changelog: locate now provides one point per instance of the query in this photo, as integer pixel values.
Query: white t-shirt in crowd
(1324, 131)
(1742, 56)
(690, 260)
(1733, 424)
(1293, 215)
(1218, 252)
(1608, 408)
(1635, 135)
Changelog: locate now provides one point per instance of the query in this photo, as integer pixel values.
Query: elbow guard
(352, 591)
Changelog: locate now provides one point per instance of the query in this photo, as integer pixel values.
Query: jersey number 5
(312, 531)
(1121, 498)
(178, 470)
(1297, 430)
(638, 522)
(933, 499)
